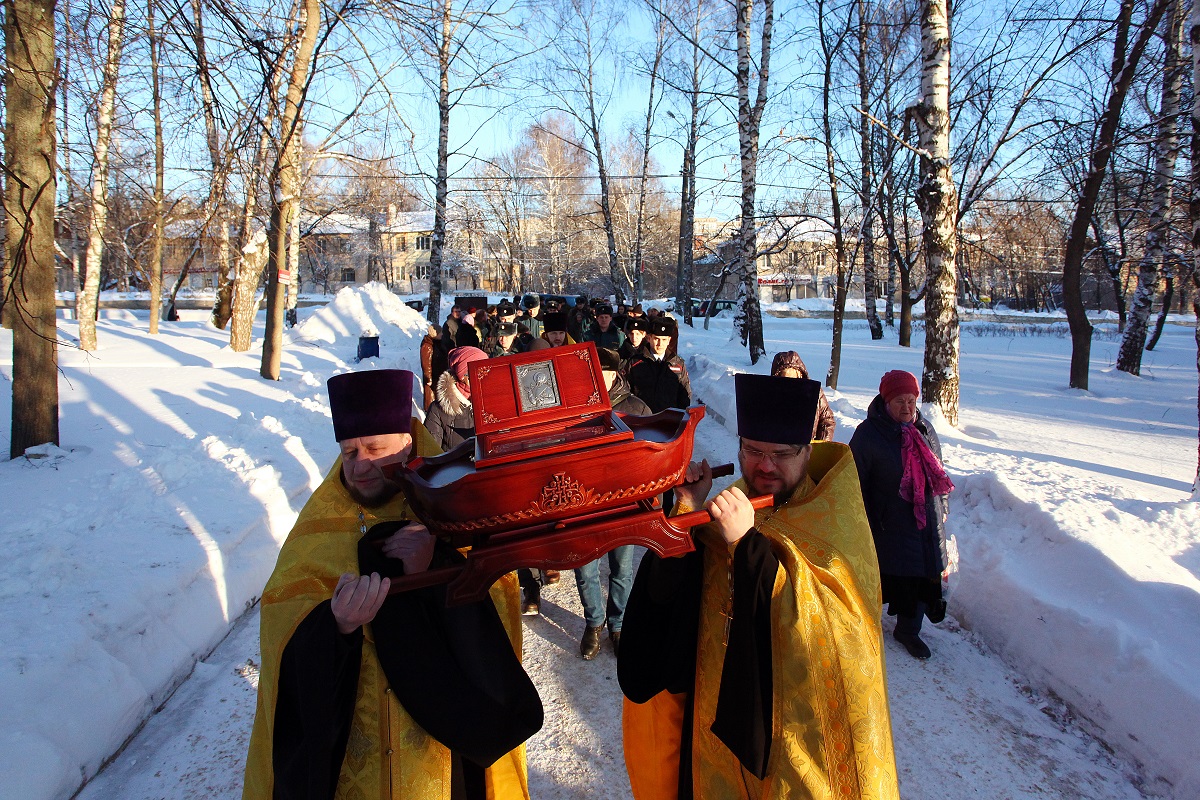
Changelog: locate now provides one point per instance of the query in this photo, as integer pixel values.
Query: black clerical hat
(776, 410)
(370, 403)
(554, 321)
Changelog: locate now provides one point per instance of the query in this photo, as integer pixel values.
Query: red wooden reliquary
(554, 478)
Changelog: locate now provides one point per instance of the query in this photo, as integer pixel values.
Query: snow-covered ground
(128, 555)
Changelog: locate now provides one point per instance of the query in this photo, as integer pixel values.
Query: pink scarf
(921, 466)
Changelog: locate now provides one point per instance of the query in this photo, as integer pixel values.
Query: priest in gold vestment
(362, 695)
(754, 667)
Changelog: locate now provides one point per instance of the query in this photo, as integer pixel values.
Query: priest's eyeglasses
(777, 457)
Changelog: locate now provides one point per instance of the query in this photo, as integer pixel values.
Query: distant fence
(971, 315)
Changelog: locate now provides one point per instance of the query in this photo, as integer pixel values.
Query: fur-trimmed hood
(450, 397)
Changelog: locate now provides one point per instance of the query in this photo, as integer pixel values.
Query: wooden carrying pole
(580, 542)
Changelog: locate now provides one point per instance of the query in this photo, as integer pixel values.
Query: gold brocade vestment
(831, 735)
(388, 756)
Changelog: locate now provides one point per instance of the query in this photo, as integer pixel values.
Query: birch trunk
(1166, 145)
(641, 210)
(938, 203)
(1124, 65)
(87, 299)
(252, 244)
(285, 186)
(156, 252)
(1194, 213)
(687, 206)
(214, 205)
(441, 187)
(748, 320)
(614, 266)
(30, 83)
(867, 189)
(687, 217)
(839, 239)
(293, 262)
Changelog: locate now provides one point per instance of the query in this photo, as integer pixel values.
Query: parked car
(701, 308)
(416, 305)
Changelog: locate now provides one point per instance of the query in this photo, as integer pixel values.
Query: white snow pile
(126, 553)
(370, 310)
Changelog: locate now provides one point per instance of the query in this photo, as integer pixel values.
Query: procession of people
(751, 667)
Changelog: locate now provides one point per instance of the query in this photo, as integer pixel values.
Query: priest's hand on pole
(412, 545)
(697, 483)
(733, 513)
(356, 600)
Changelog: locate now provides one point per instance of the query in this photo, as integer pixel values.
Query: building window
(424, 243)
(821, 259)
(403, 242)
(793, 258)
(348, 275)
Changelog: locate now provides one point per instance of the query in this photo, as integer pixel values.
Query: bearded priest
(366, 695)
(753, 667)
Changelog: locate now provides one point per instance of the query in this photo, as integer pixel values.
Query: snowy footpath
(1068, 667)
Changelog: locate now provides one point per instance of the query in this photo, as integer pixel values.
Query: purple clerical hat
(776, 410)
(370, 403)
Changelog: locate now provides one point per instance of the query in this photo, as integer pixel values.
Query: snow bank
(1075, 565)
(126, 555)
(1096, 627)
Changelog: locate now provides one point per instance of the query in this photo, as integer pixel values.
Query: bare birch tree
(937, 200)
(578, 80)
(866, 191)
(1124, 65)
(156, 253)
(748, 319)
(1194, 210)
(89, 296)
(285, 184)
(654, 66)
(1129, 359)
(689, 78)
(461, 42)
(220, 162)
(831, 43)
(30, 88)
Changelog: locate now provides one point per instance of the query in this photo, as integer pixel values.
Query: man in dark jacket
(507, 341)
(620, 560)
(656, 373)
(531, 320)
(606, 334)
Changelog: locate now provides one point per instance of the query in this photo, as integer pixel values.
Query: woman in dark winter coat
(904, 487)
(451, 420)
(433, 363)
(788, 364)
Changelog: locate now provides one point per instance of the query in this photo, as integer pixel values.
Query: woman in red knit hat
(904, 487)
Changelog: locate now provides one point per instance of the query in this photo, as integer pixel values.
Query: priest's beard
(376, 498)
